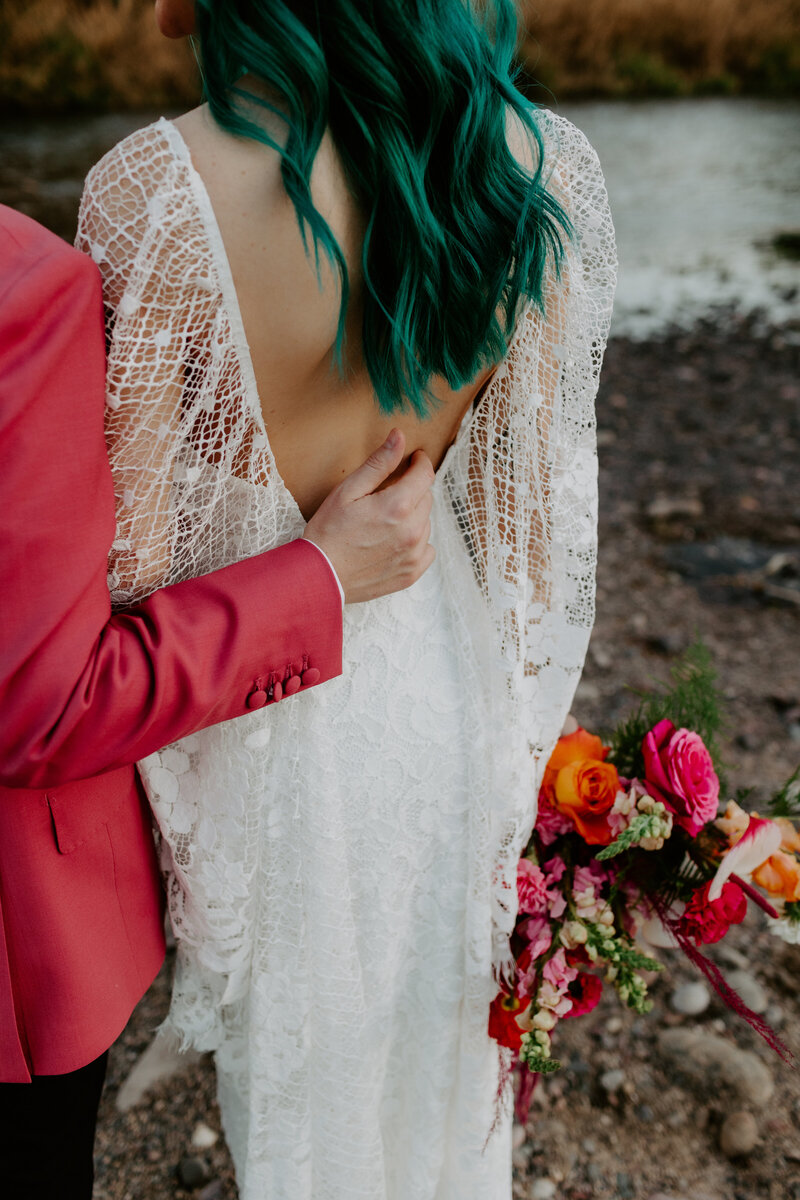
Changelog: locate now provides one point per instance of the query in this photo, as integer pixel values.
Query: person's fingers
(375, 469)
(403, 496)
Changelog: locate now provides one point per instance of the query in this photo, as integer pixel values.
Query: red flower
(705, 920)
(503, 1026)
(585, 991)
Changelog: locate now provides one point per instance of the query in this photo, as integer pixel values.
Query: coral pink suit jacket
(83, 695)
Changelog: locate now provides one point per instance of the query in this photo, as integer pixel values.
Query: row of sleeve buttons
(258, 698)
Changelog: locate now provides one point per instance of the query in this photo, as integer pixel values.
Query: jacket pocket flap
(79, 809)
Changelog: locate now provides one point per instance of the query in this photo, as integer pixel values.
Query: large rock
(709, 1064)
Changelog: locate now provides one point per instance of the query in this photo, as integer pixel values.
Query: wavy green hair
(416, 94)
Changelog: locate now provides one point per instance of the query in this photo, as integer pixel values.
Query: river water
(699, 189)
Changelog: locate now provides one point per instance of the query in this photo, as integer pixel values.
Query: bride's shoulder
(124, 195)
(567, 153)
(136, 164)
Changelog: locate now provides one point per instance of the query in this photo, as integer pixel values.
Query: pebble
(213, 1191)
(664, 508)
(543, 1189)
(739, 1134)
(750, 990)
(710, 1062)
(520, 1159)
(645, 1114)
(731, 956)
(775, 1016)
(589, 1145)
(691, 999)
(192, 1172)
(612, 1081)
(682, 1196)
(204, 1137)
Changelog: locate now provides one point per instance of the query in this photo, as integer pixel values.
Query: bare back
(321, 426)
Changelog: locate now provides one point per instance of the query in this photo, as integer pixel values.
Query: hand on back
(378, 540)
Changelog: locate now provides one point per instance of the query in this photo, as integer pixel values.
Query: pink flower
(554, 869)
(591, 876)
(556, 977)
(531, 888)
(539, 935)
(558, 972)
(680, 773)
(550, 823)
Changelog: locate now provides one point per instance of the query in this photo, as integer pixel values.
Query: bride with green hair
(365, 226)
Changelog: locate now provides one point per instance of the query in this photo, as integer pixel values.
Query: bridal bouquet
(630, 851)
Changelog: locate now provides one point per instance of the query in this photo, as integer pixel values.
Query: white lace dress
(340, 866)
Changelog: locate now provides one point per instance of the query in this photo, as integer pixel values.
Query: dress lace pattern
(341, 866)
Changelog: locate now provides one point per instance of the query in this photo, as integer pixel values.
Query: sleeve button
(257, 699)
(310, 677)
(292, 685)
(277, 691)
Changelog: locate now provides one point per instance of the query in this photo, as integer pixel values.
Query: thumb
(375, 469)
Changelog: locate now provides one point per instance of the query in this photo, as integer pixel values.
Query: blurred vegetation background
(104, 55)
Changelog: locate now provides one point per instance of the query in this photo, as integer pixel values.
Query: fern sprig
(691, 701)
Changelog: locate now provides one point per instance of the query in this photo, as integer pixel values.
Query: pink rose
(679, 772)
(531, 888)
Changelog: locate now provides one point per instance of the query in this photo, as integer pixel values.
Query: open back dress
(341, 866)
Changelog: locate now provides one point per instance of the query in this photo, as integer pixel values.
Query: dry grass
(95, 54)
(651, 47)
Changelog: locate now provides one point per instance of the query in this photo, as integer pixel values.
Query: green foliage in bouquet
(644, 825)
(692, 701)
(786, 801)
(622, 962)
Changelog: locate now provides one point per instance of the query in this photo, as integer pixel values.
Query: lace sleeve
(119, 228)
(524, 489)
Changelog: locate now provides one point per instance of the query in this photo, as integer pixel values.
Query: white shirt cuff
(330, 564)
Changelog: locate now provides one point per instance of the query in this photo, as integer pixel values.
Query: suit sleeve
(82, 691)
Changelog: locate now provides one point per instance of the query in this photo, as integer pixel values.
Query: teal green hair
(416, 95)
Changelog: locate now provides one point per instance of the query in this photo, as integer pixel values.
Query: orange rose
(780, 876)
(581, 785)
(585, 791)
(573, 747)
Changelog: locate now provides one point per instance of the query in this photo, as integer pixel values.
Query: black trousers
(47, 1132)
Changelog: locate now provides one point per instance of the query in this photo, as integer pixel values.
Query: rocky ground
(700, 533)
